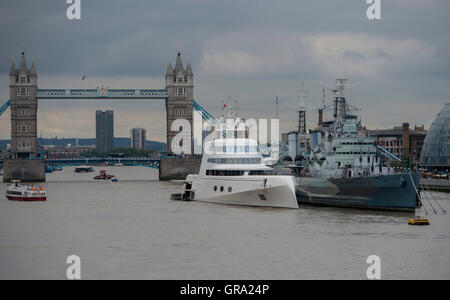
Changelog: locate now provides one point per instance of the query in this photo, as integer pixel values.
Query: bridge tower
(22, 91)
(24, 162)
(180, 100)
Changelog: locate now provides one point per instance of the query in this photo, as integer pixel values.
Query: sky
(249, 50)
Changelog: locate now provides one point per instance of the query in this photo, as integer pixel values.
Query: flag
(84, 77)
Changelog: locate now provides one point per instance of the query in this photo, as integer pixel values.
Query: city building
(284, 138)
(436, 148)
(402, 141)
(138, 138)
(104, 129)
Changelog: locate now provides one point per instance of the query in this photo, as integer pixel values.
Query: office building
(104, 129)
(138, 138)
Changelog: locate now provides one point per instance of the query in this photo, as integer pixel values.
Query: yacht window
(224, 172)
(230, 189)
(215, 188)
(236, 149)
(261, 172)
(221, 188)
(240, 161)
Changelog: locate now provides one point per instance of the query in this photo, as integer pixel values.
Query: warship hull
(386, 192)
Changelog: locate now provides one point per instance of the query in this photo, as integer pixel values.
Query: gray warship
(345, 168)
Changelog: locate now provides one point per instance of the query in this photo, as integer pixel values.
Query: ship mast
(341, 110)
(302, 96)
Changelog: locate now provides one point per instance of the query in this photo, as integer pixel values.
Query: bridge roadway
(102, 92)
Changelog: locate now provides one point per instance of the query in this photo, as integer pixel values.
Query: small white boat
(18, 192)
(234, 173)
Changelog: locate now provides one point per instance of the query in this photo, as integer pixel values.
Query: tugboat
(346, 169)
(19, 192)
(103, 176)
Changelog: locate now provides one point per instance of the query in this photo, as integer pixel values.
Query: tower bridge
(25, 162)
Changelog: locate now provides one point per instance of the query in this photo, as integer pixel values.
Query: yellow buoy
(419, 221)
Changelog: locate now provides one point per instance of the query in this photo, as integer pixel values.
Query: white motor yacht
(233, 172)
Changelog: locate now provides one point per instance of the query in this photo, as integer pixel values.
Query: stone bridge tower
(24, 163)
(180, 100)
(22, 91)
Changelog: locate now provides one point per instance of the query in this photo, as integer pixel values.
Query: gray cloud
(252, 50)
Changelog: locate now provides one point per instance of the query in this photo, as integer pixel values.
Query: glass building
(436, 147)
(104, 128)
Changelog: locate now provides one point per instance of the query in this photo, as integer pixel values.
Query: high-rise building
(104, 129)
(138, 138)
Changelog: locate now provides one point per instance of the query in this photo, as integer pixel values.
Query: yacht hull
(265, 192)
(386, 192)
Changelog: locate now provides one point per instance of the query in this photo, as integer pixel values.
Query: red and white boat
(19, 192)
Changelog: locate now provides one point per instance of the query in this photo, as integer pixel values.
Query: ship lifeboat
(18, 192)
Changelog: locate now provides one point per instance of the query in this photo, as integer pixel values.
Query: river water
(132, 230)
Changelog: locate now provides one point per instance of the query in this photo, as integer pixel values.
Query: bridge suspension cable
(205, 115)
(4, 107)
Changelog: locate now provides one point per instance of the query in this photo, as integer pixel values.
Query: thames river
(132, 230)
